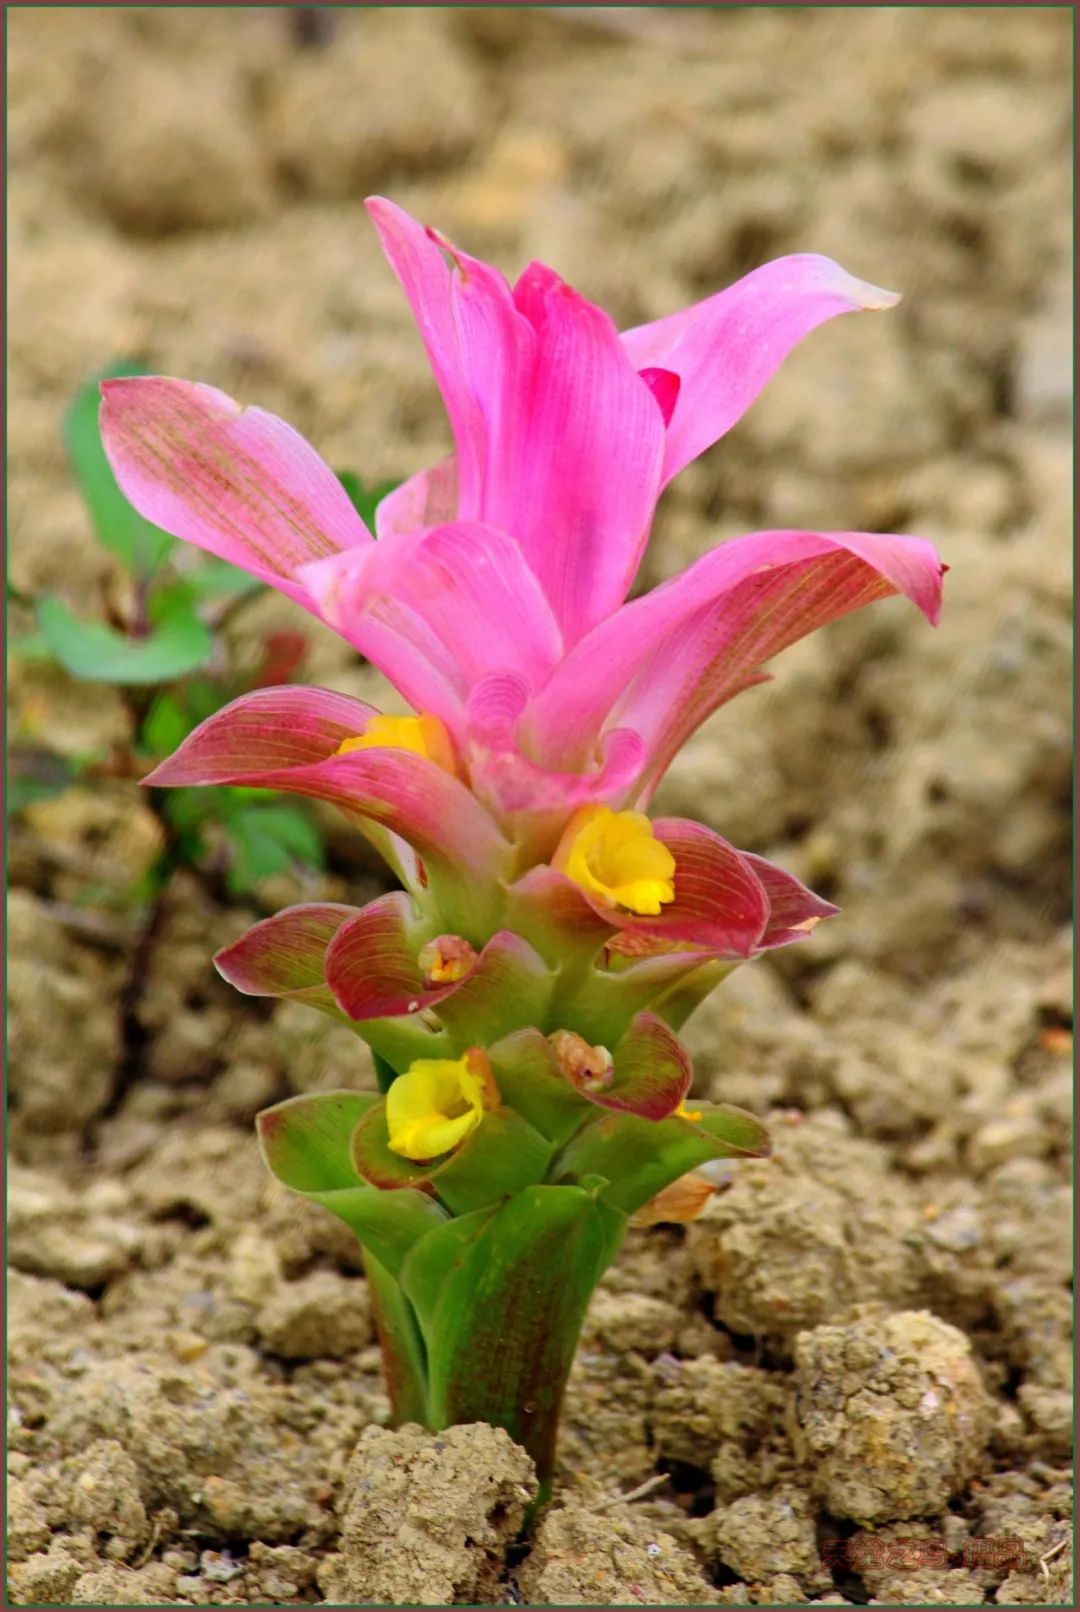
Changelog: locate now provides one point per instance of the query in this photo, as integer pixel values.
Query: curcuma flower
(523, 989)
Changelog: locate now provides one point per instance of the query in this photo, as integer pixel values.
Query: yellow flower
(682, 1112)
(616, 856)
(437, 1103)
(422, 735)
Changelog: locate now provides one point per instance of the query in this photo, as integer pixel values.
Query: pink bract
(495, 594)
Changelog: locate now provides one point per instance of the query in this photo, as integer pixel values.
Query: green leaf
(741, 1135)
(269, 839)
(96, 653)
(217, 579)
(401, 1341)
(118, 527)
(295, 830)
(433, 1261)
(24, 792)
(387, 1223)
(603, 1001)
(190, 809)
(236, 795)
(305, 1140)
(165, 725)
(255, 855)
(500, 1296)
(529, 1079)
(202, 697)
(366, 496)
(385, 1073)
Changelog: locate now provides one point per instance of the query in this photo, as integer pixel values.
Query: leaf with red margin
(373, 972)
(793, 909)
(371, 966)
(652, 1071)
(285, 955)
(289, 739)
(639, 1157)
(305, 1140)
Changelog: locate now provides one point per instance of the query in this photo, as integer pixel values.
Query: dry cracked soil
(849, 1380)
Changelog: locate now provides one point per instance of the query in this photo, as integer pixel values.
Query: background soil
(864, 1339)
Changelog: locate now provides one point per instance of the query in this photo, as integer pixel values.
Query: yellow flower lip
(437, 1103)
(422, 735)
(616, 857)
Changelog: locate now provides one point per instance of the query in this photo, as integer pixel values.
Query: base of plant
(481, 1265)
(493, 1340)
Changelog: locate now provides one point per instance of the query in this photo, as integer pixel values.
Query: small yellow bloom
(422, 735)
(616, 856)
(446, 959)
(437, 1103)
(682, 1112)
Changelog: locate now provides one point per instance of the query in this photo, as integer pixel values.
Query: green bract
(482, 1264)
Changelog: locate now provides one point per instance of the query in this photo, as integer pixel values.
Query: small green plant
(160, 641)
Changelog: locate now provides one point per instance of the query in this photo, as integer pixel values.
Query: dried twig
(1044, 1560)
(639, 1493)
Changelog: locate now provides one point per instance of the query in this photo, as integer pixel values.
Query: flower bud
(445, 960)
(588, 1068)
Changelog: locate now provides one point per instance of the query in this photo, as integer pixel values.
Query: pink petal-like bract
(287, 738)
(236, 481)
(494, 599)
(438, 610)
(559, 441)
(430, 498)
(502, 773)
(725, 349)
(665, 661)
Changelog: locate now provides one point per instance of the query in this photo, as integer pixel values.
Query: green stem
(404, 1359)
(500, 1296)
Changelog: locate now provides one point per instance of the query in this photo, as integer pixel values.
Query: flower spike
(523, 992)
